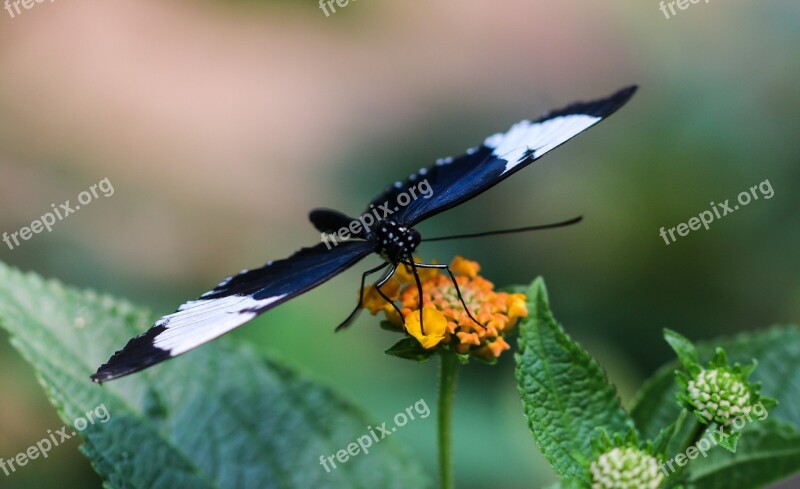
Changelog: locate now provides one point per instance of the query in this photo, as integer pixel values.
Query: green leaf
(410, 349)
(565, 394)
(661, 442)
(720, 358)
(514, 289)
(463, 359)
(767, 452)
(729, 442)
(686, 429)
(218, 417)
(389, 326)
(654, 405)
(687, 354)
(570, 484)
(778, 352)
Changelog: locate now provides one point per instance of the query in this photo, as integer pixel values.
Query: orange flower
(516, 307)
(373, 300)
(462, 266)
(493, 349)
(392, 316)
(404, 275)
(445, 320)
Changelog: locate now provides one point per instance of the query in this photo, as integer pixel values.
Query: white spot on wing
(200, 321)
(495, 139)
(444, 161)
(225, 281)
(538, 137)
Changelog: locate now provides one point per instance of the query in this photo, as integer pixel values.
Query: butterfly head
(396, 240)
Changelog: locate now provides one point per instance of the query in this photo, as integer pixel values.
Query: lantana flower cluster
(621, 461)
(625, 468)
(717, 392)
(718, 395)
(445, 322)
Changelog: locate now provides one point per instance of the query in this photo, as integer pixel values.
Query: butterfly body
(395, 241)
(448, 183)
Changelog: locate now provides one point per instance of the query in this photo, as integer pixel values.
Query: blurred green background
(221, 124)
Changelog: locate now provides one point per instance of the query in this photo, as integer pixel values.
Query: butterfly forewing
(454, 180)
(233, 302)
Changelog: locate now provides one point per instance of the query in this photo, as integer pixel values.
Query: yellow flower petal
(467, 268)
(373, 301)
(392, 316)
(516, 308)
(403, 274)
(435, 325)
(445, 319)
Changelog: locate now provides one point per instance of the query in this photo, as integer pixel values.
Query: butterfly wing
(230, 304)
(456, 180)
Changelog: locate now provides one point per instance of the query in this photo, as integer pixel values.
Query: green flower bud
(719, 395)
(625, 468)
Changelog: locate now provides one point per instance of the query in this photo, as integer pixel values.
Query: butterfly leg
(419, 288)
(460, 297)
(380, 284)
(355, 312)
(455, 283)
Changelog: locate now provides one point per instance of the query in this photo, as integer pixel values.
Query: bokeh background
(220, 124)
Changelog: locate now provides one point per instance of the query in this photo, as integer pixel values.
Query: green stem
(448, 372)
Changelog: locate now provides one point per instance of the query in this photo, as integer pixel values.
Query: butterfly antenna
(562, 224)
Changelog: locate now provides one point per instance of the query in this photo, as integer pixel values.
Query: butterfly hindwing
(230, 304)
(454, 180)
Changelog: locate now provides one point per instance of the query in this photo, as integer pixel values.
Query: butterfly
(391, 234)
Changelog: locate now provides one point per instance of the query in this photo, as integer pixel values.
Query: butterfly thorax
(395, 240)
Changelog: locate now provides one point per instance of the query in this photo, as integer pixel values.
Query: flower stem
(448, 373)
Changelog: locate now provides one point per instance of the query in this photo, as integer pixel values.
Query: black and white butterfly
(453, 180)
